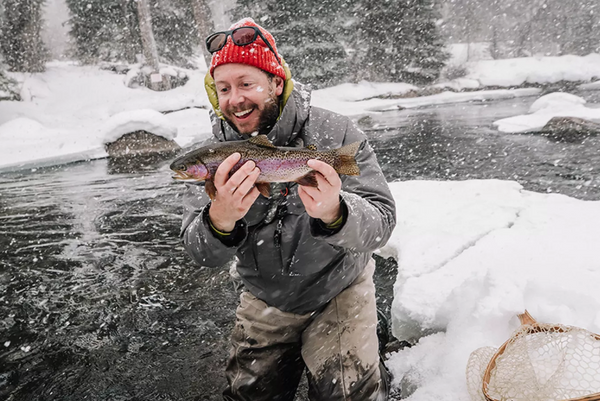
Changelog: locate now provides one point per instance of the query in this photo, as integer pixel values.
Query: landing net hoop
(539, 362)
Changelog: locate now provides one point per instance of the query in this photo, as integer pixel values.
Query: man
(304, 253)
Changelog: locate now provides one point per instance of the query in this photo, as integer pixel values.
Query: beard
(267, 119)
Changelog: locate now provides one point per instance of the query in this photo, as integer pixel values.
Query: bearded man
(304, 253)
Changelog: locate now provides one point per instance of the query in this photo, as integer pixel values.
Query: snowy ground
(467, 265)
(544, 109)
(68, 112)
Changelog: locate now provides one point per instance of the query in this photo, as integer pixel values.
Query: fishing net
(539, 362)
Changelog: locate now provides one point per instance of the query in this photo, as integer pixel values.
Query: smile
(244, 113)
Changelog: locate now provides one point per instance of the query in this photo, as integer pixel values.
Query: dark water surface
(98, 300)
(459, 142)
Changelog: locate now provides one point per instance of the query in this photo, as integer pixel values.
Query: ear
(278, 85)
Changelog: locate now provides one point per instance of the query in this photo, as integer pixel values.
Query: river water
(98, 300)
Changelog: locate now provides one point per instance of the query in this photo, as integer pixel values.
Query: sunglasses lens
(243, 36)
(216, 42)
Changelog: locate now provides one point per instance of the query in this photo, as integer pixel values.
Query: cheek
(223, 103)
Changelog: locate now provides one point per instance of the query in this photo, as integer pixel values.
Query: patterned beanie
(256, 54)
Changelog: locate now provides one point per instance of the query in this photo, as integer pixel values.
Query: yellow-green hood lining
(211, 91)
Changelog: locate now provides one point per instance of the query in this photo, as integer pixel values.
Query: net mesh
(478, 361)
(539, 362)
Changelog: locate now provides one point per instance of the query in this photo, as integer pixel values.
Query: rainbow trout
(276, 164)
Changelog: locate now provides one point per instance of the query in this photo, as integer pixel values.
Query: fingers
(305, 195)
(222, 174)
(245, 186)
(242, 174)
(249, 198)
(225, 183)
(327, 171)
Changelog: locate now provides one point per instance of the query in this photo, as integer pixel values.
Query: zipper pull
(277, 234)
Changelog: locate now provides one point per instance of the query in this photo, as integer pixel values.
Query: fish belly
(281, 170)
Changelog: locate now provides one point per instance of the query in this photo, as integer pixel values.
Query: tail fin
(346, 159)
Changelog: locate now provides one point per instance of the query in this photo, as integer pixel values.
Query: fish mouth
(180, 175)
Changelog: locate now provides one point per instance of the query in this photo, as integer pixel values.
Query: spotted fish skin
(276, 164)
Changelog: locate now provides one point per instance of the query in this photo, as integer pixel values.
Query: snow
(70, 111)
(467, 264)
(544, 109)
(130, 121)
(79, 108)
(535, 70)
(470, 264)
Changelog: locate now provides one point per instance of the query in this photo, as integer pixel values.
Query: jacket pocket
(301, 253)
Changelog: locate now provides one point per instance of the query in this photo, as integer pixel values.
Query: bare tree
(204, 24)
(157, 81)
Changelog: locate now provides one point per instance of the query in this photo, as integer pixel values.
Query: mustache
(245, 106)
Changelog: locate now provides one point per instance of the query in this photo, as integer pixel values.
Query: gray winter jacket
(286, 258)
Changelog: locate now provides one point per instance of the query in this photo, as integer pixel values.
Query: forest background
(325, 42)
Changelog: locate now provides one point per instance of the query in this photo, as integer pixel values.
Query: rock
(366, 122)
(141, 144)
(570, 129)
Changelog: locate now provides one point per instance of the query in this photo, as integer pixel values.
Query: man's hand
(235, 194)
(322, 202)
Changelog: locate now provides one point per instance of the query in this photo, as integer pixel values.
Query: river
(98, 300)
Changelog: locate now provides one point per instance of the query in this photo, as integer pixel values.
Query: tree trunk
(132, 48)
(204, 25)
(157, 81)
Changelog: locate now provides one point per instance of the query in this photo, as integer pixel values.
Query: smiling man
(304, 254)
(248, 98)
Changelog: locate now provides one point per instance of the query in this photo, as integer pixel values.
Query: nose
(237, 97)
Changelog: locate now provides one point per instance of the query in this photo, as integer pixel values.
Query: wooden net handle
(526, 318)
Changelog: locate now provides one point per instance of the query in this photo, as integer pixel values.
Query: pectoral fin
(308, 180)
(210, 189)
(264, 188)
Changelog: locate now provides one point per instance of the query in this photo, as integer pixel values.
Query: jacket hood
(293, 112)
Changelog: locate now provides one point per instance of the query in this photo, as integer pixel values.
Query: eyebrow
(240, 77)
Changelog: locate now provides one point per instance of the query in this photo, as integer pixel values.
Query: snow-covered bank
(65, 110)
(470, 263)
(544, 109)
(68, 109)
(471, 254)
(535, 70)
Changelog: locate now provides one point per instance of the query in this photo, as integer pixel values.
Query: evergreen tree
(379, 37)
(424, 51)
(9, 88)
(108, 30)
(20, 38)
(174, 30)
(104, 30)
(306, 32)
(398, 41)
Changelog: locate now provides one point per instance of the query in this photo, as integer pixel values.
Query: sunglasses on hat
(241, 36)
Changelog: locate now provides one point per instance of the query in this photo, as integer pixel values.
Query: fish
(276, 163)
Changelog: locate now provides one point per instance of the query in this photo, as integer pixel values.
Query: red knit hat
(256, 54)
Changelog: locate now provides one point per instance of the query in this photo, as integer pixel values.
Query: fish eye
(182, 167)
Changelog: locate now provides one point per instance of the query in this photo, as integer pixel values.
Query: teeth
(243, 113)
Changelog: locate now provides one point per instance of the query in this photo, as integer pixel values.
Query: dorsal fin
(261, 140)
(311, 147)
